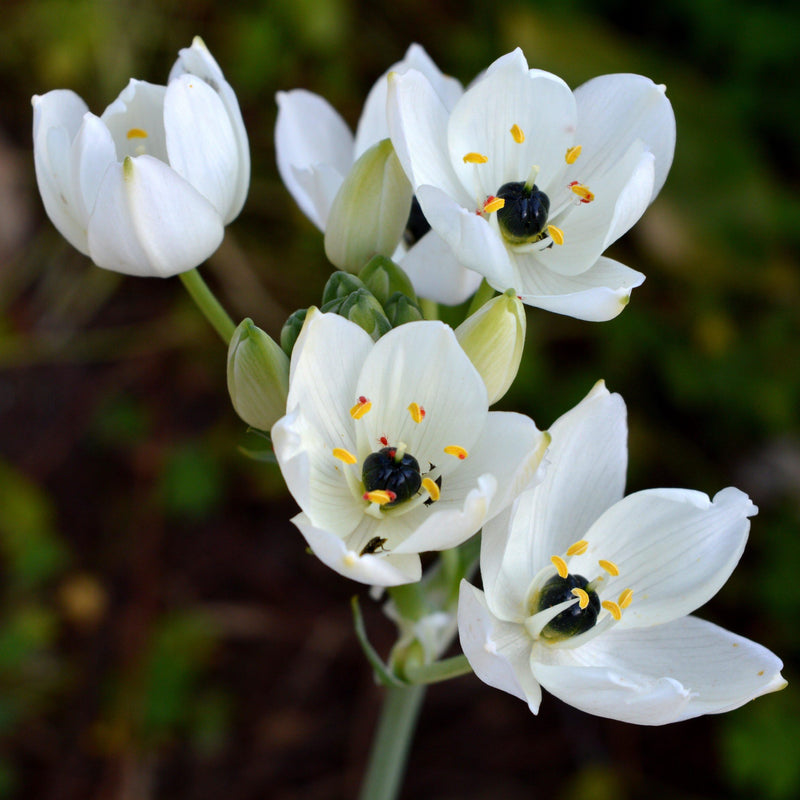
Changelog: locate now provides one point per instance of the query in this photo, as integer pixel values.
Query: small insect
(373, 546)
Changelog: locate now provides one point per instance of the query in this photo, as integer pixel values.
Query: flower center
(393, 471)
(523, 217)
(579, 617)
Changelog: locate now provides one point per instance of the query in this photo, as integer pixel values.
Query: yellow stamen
(584, 192)
(582, 595)
(429, 485)
(136, 133)
(625, 598)
(456, 450)
(609, 566)
(577, 549)
(380, 496)
(475, 158)
(493, 204)
(560, 565)
(417, 412)
(556, 234)
(516, 132)
(572, 154)
(344, 455)
(613, 609)
(360, 408)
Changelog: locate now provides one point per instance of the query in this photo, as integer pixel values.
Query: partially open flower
(389, 447)
(146, 188)
(587, 593)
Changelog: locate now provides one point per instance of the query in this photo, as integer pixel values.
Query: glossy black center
(383, 470)
(524, 216)
(575, 619)
(417, 226)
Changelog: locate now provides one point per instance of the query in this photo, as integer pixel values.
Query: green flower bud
(370, 210)
(340, 284)
(258, 376)
(363, 309)
(384, 278)
(291, 329)
(493, 338)
(401, 309)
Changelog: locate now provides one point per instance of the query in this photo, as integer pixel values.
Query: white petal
(418, 125)
(539, 103)
(616, 110)
(472, 239)
(323, 378)
(308, 134)
(377, 570)
(436, 273)
(422, 362)
(674, 548)
(197, 60)
(57, 117)
(497, 651)
(717, 671)
(201, 143)
(148, 221)
(597, 295)
(92, 154)
(136, 121)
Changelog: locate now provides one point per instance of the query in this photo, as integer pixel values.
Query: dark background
(163, 633)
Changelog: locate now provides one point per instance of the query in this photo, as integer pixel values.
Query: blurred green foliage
(119, 472)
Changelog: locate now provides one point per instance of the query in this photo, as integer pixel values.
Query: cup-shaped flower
(146, 188)
(529, 182)
(493, 338)
(389, 448)
(315, 151)
(587, 593)
(258, 376)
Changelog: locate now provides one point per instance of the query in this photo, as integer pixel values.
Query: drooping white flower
(315, 151)
(587, 593)
(146, 188)
(389, 448)
(529, 182)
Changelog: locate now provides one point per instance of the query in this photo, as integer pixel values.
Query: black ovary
(524, 215)
(574, 620)
(417, 226)
(382, 471)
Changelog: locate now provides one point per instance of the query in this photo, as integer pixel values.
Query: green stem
(439, 671)
(207, 303)
(387, 758)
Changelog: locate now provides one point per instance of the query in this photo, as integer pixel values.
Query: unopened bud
(384, 278)
(258, 376)
(370, 210)
(363, 309)
(291, 329)
(401, 309)
(493, 338)
(339, 285)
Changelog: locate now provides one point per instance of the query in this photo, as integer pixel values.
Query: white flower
(582, 167)
(638, 565)
(315, 151)
(146, 188)
(389, 449)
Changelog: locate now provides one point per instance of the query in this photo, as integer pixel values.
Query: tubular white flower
(529, 183)
(315, 151)
(587, 592)
(146, 188)
(389, 448)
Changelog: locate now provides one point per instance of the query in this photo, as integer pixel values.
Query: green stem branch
(438, 671)
(207, 303)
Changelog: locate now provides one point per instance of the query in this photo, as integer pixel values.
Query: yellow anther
(625, 598)
(582, 595)
(380, 496)
(516, 132)
(579, 548)
(560, 565)
(584, 192)
(475, 158)
(456, 450)
(572, 154)
(493, 204)
(612, 608)
(556, 234)
(136, 133)
(360, 408)
(344, 455)
(609, 566)
(417, 412)
(429, 485)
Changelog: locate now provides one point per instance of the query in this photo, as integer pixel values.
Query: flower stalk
(208, 304)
